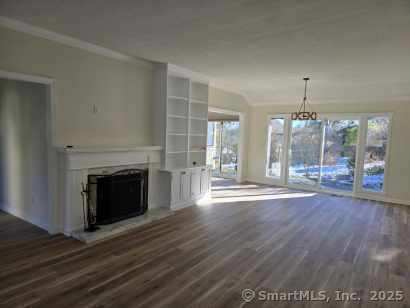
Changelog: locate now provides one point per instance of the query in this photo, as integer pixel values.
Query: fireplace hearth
(114, 197)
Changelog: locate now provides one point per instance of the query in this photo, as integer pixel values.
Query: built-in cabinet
(180, 128)
(187, 185)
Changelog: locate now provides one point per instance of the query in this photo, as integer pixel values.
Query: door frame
(52, 153)
(241, 146)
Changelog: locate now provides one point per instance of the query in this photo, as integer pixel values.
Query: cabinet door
(204, 181)
(176, 187)
(195, 183)
(185, 186)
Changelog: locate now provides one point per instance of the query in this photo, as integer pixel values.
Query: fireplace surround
(77, 163)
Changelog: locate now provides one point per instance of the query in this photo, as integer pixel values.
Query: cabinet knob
(183, 172)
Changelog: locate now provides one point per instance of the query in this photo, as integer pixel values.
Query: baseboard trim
(376, 197)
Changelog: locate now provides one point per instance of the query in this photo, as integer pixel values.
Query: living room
(204, 154)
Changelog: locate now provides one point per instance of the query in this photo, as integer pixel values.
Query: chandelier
(302, 114)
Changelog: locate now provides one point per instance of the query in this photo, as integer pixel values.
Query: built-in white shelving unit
(181, 126)
(182, 108)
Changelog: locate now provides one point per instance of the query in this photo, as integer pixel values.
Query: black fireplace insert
(116, 196)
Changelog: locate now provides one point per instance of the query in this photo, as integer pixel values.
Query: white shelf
(198, 135)
(176, 152)
(199, 119)
(176, 134)
(197, 151)
(176, 116)
(197, 101)
(178, 98)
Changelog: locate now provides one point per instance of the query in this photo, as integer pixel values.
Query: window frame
(283, 178)
(343, 116)
(363, 138)
(360, 152)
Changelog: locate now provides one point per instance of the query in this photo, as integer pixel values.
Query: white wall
(227, 100)
(398, 177)
(23, 151)
(119, 89)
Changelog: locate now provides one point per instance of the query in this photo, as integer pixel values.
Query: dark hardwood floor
(250, 237)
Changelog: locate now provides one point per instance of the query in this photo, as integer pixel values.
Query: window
(211, 133)
(275, 147)
(375, 153)
(305, 145)
(338, 152)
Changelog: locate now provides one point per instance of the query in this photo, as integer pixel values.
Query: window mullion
(268, 148)
(359, 166)
(322, 150)
(286, 152)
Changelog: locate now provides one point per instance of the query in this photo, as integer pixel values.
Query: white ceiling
(353, 50)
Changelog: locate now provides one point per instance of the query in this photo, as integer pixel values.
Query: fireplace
(116, 196)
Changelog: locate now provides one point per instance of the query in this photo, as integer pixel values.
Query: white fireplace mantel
(75, 164)
(95, 157)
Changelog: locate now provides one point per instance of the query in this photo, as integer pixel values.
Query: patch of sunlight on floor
(234, 187)
(254, 198)
(385, 255)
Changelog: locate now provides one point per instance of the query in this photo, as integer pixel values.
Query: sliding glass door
(323, 153)
(344, 153)
(305, 146)
(339, 154)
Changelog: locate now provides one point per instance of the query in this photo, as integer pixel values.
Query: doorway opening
(28, 159)
(222, 148)
(224, 144)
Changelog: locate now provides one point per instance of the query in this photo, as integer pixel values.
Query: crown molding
(380, 100)
(20, 26)
(25, 77)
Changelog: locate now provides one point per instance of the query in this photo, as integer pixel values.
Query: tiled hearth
(111, 230)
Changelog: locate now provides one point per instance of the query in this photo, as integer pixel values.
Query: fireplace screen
(116, 196)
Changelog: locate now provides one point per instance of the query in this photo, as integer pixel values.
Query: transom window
(336, 152)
